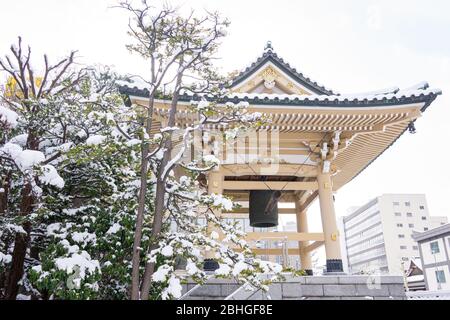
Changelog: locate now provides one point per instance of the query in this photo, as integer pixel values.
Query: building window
(400, 225)
(422, 207)
(416, 248)
(396, 203)
(425, 229)
(424, 218)
(408, 204)
(409, 214)
(401, 236)
(403, 248)
(411, 225)
(440, 276)
(405, 259)
(398, 214)
(434, 246)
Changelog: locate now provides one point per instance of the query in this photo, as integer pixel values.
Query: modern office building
(434, 248)
(377, 237)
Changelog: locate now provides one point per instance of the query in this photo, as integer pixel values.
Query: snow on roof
(394, 90)
(419, 86)
(135, 83)
(373, 96)
(416, 278)
(377, 92)
(417, 262)
(390, 93)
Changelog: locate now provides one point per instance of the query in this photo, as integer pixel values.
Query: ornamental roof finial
(268, 46)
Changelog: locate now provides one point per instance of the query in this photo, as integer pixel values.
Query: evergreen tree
(81, 169)
(94, 203)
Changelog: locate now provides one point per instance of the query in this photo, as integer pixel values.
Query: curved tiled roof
(321, 96)
(354, 100)
(417, 94)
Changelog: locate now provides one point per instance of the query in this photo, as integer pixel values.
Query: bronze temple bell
(264, 208)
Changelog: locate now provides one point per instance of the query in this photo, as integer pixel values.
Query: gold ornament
(269, 74)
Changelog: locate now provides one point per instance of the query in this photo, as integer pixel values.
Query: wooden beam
(313, 246)
(280, 151)
(291, 144)
(236, 170)
(301, 136)
(305, 205)
(234, 215)
(290, 236)
(271, 252)
(269, 185)
(243, 195)
(246, 211)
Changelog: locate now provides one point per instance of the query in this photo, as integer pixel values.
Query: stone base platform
(342, 287)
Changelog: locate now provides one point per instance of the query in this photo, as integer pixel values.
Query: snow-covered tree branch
(97, 200)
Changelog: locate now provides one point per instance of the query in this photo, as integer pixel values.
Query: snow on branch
(8, 117)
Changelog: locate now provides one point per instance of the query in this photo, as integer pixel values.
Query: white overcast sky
(349, 46)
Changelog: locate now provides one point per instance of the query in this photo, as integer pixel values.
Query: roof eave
(271, 56)
(426, 105)
(427, 99)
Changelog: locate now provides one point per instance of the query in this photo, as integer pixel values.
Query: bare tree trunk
(4, 194)
(139, 225)
(160, 194)
(156, 229)
(141, 208)
(22, 240)
(20, 246)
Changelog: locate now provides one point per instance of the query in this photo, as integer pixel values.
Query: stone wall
(309, 288)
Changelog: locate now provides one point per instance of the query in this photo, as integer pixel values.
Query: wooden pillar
(330, 230)
(215, 179)
(302, 226)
